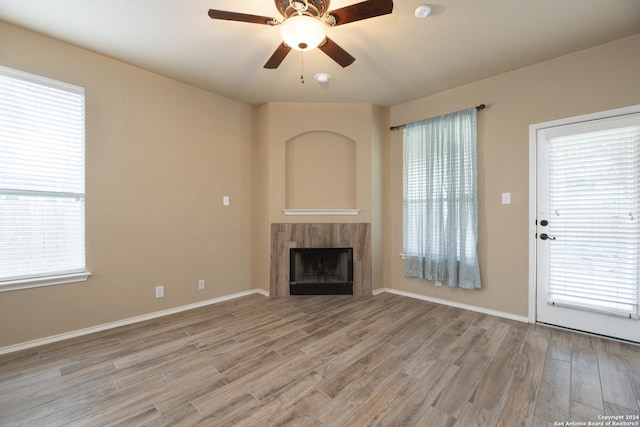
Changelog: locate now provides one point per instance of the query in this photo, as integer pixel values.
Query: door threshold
(591, 334)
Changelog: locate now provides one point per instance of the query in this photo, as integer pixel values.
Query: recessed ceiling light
(423, 11)
(322, 78)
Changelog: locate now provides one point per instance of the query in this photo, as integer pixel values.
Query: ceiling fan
(305, 23)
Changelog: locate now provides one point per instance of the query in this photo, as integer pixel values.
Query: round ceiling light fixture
(322, 78)
(302, 32)
(423, 11)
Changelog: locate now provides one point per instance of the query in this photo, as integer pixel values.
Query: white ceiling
(398, 57)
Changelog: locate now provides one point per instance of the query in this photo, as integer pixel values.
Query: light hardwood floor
(322, 361)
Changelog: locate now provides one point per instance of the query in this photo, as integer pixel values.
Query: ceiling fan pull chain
(302, 67)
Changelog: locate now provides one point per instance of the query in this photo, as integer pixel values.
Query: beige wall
(159, 157)
(596, 79)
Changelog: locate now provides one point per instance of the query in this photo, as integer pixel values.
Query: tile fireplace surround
(321, 235)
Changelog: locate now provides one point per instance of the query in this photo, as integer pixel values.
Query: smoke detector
(423, 11)
(322, 78)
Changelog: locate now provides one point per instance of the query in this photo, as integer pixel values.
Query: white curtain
(440, 199)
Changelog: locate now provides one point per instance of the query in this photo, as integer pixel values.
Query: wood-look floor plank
(632, 362)
(225, 407)
(280, 399)
(268, 361)
(370, 412)
(613, 409)
(518, 403)
(496, 379)
(463, 384)
(616, 387)
(13, 389)
(560, 344)
(357, 393)
(490, 341)
(321, 361)
(585, 379)
(420, 395)
(99, 406)
(475, 416)
(303, 412)
(337, 380)
(584, 412)
(187, 388)
(554, 390)
(285, 382)
(433, 417)
(532, 358)
(146, 417)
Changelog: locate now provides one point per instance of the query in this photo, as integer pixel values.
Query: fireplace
(287, 236)
(321, 271)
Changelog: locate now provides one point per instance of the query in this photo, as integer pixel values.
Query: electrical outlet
(201, 284)
(225, 200)
(438, 283)
(159, 291)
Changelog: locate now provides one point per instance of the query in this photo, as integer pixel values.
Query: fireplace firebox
(321, 271)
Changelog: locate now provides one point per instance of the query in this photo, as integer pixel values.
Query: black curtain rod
(478, 108)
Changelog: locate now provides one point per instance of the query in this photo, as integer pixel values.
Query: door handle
(545, 236)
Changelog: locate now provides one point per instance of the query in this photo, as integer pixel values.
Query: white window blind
(594, 200)
(41, 177)
(426, 189)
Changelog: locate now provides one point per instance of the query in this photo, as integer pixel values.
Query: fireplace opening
(321, 271)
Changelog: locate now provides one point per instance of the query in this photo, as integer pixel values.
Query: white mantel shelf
(321, 211)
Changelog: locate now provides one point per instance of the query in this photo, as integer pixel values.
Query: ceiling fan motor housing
(315, 8)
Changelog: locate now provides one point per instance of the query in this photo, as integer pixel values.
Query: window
(41, 181)
(440, 200)
(594, 208)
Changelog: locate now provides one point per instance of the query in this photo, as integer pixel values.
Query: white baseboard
(260, 291)
(86, 331)
(490, 312)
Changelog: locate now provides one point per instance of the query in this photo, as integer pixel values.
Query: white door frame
(533, 166)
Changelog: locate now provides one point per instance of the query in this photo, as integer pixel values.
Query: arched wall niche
(320, 171)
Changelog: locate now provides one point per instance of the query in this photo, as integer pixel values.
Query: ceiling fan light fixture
(302, 32)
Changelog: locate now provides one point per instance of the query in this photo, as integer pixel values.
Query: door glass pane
(594, 207)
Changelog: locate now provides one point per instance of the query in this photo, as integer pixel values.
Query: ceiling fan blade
(336, 53)
(278, 56)
(363, 10)
(242, 17)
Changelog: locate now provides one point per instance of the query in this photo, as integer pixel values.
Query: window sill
(37, 282)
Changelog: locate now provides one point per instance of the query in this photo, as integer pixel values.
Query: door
(587, 229)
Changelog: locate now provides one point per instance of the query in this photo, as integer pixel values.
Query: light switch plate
(506, 198)
(225, 200)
